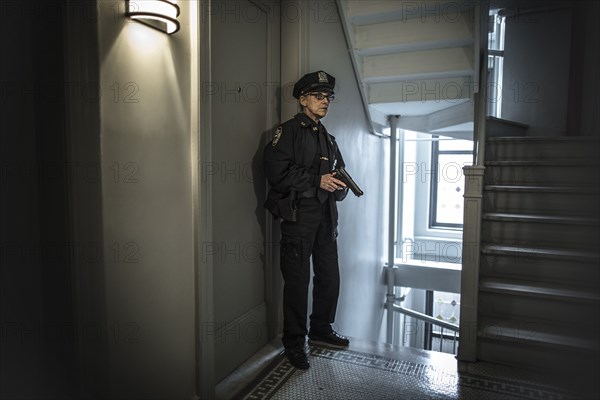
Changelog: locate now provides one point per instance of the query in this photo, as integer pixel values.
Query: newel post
(470, 262)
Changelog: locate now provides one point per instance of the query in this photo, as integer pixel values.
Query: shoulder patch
(277, 136)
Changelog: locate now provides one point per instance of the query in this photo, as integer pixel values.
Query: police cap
(319, 80)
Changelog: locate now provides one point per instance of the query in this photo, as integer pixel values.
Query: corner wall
(536, 92)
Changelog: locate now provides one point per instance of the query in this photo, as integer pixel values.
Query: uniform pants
(310, 235)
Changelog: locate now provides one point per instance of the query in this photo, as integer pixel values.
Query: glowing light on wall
(159, 14)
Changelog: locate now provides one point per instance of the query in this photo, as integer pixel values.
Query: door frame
(202, 155)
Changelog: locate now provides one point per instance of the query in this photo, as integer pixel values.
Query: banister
(426, 318)
(480, 90)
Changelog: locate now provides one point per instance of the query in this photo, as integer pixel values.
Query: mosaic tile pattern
(347, 374)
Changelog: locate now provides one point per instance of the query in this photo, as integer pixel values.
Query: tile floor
(376, 371)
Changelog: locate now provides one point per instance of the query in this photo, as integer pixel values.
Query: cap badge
(323, 77)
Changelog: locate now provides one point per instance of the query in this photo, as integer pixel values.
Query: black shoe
(332, 339)
(297, 356)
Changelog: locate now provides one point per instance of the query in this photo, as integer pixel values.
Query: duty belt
(312, 192)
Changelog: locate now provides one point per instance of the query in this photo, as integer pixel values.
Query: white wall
(363, 220)
(147, 192)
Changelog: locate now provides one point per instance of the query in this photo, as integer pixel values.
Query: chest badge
(277, 136)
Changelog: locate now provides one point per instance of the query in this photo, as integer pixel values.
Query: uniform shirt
(289, 158)
(287, 164)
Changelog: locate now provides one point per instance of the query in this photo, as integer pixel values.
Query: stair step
(541, 148)
(550, 219)
(575, 367)
(373, 12)
(544, 139)
(561, 162)
(412, 91)
(579, 315)
(413, 35)
(495, 127)
(513, 287)
(534, 334)
(410, 47)
(423, 64)
(362, 12)
(529, 266)
(570, 232)
(549, 200)
(543, 300)
(554, 253)
(548, 172)
(542, 189)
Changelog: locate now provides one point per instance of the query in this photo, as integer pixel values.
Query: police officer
(298, 164)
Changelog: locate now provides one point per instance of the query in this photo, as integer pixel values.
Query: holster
(282, 206)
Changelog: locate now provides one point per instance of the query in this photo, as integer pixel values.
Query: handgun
(345, 177)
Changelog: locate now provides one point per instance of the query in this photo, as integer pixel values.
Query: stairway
(539, 301)
(415, 59)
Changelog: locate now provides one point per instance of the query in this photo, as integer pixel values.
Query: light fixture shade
(159, 14)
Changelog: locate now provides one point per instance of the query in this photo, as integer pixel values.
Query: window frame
(415, 240)
(495, 63)
(433, 190)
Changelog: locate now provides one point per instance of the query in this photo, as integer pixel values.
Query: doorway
(239, 79)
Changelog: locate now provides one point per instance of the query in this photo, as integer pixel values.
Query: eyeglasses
(322, 96)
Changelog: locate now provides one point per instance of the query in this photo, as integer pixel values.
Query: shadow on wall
(270, 256)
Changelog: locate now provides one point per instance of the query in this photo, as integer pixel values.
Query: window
(431, 189)
(445, 307)
(447, 182)
(430, 225)
(495, 63)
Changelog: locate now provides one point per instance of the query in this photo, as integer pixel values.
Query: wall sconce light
(159, 14)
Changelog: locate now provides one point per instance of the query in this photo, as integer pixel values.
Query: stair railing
(431, 320)
(480, 84)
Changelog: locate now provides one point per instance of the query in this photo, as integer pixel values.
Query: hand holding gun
(345, 177)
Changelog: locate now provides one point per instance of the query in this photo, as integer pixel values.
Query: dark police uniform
(294, 162)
